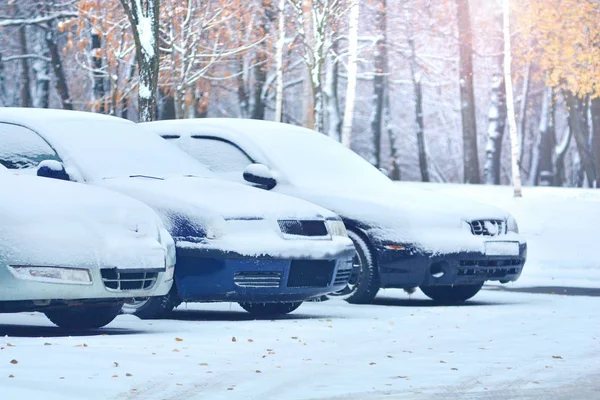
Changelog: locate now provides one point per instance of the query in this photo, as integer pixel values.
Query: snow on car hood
(407, 215)
(51, 222)
(210, 202)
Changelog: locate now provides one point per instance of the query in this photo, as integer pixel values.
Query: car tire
(366, 279)
(86, 317)
(156, 307)
(270, 309)
(451, 294)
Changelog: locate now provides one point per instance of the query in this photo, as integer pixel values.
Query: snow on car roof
(305, 157)
(102, 146)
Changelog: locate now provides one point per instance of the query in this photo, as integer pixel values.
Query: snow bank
(559, 224)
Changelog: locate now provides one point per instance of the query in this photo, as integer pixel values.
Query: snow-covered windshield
(116, 149)
(308, 159)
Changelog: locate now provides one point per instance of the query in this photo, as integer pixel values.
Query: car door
(23, 149)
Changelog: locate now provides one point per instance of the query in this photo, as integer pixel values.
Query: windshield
(310, 159)
(116, 149)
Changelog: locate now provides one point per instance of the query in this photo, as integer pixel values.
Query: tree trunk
(579, 128)
(379, 80)
(352, 73)
(2, 83)
(523, 112)
(61, 81)
(334, 119)
(542, 169)
(242, 92)
(467, 97)
(510, 105)
(396, 174)
(260, 62)
(595, 108)
(144, 19)
(279, 62)
(41, 69)
(99, 81)
(419, 123)
(25, 94)
(496, 127)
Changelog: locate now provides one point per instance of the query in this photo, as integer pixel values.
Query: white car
(405, 237)
(76, 253)
(266, 251)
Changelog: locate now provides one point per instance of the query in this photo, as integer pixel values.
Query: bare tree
(380, 80)
(352, 73)
(279, 60)
(510, 105)
(467, 97)
(144, 18)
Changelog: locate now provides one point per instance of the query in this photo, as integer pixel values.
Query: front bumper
(106, 284)
(399, 269)
(203, 276)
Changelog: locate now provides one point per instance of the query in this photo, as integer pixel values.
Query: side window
(22, 148)
(218, 155)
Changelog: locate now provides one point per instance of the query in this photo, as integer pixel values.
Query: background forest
(417, 87)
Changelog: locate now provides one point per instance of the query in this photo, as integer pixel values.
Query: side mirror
(52, 169)
(261, 175)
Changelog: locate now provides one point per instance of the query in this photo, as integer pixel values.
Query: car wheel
(451, 294)
(153, 307)
(84, 317)
(270, 309)
(364, 282)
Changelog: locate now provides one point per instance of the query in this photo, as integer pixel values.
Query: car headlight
(336, 227)
(511, 224)
(74, 276)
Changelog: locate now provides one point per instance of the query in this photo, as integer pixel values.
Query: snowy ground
(504, 345)
(526, 340)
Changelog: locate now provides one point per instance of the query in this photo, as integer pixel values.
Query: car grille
(121, 280)
(259, 279)
(489, 268)
(488, 227)
(311, 273)
(312, 228)
(343, 275)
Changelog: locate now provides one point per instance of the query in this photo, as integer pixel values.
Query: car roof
(37, 117)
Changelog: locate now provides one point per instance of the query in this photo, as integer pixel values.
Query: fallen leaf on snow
(557, 357)
(442, 362)
(47, 344)
(128, 374)
(14, 362)
(258, 371)
(454, 369)
(250, 340)
(11, 376)
(115, 376)
(177, 339)
(10, 345)
(233, 339)
(372, 363)
(204, 364)
(116, 363)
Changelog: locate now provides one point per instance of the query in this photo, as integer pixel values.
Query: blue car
(234, 243)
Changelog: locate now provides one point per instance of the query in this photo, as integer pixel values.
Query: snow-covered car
(74, 252)
(266, 251)
(404, 237)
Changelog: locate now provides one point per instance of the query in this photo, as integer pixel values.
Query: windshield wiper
(146, 176)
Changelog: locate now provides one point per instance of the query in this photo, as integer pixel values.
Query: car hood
(394, 213)
(209, 202)
(57, 222)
